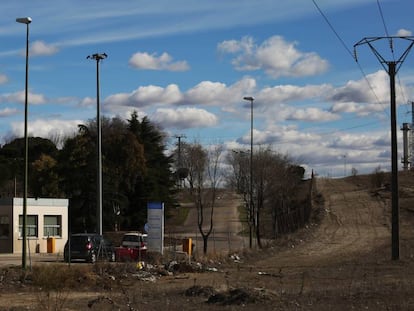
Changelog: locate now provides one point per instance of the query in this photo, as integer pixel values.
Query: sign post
(155, 226)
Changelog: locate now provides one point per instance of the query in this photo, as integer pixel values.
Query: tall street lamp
(251, 99)
(98, 57)
(27, 21)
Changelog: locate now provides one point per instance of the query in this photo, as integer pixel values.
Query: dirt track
(226, 229)
(355, 223)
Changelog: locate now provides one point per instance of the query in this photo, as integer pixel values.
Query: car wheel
(113, 257)
(93, 258)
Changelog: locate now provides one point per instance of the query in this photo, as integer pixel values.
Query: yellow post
(50, 245)
(187, 246)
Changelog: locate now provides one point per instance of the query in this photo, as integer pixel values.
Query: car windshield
(78, 239)
(132, 238)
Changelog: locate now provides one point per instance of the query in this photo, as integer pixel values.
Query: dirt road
(355, 224)
(345, 263)
(225, 236)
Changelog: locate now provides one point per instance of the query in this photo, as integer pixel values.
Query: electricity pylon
(391, 67)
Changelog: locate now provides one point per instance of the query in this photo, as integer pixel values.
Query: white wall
(40, 207)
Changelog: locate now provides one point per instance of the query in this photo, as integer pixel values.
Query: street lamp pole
(98, 57)
(27, 21)
(251, 99)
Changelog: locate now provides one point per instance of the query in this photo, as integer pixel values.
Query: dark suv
(88, 247)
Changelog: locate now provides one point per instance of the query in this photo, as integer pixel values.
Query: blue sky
(187, 65)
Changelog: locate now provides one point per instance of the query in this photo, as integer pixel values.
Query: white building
(46, 223)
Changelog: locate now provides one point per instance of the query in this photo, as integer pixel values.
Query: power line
(391, 47)
(383, 20)
(350, 53)
(333, 29)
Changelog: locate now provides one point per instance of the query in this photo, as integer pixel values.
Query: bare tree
(274, 183)
(204, 177)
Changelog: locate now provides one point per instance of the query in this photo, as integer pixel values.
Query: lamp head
(24, 20)
(248, 98)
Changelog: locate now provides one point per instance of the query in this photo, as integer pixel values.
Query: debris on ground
(196, 291)
(236, 258)
(237, 296)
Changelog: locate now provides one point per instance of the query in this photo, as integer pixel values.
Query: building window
(52, 225)
(4, 226)
(31, 226)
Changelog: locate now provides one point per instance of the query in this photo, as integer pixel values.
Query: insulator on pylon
(391, 45)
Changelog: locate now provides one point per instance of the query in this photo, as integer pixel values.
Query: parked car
(89, 247)
(135, 240)
(133, 247)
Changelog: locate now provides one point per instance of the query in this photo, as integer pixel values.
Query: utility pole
(252, 218)
(26, 21)
(98, 57)
(405, 159)
(411, 137)
(180, 172)
(179, 136)
(344, 156)
(391, 67)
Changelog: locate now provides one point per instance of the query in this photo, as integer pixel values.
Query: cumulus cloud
(404, 33)
(204, 93)
(312, 114)
(275, 135)
(217, 93)
(146, 96)
(289, 93)
(355, 141)
(184, 118)
(276, 56)
(143, 60)
(19, 97)
(362, 98)
(47, 127)
(40, 48)
(87, 101)
(7, 112)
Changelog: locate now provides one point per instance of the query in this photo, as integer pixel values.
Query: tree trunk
(205, 242)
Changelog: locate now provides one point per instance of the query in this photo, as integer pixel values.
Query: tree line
(135, 170)
(276, 198)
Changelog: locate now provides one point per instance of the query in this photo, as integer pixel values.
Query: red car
(133, 247)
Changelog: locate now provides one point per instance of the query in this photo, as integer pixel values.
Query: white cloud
(40, 48)
(47, 127)
(143, 60)
(312, 114)
(287, 93)
(276, 56)
(362, 98)
(6, 112)
(184, 118)
(146, 96)
(358, 141)
(204, 93)
(404, 33)
(87, 101)
(19, 97)
(217, 93)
